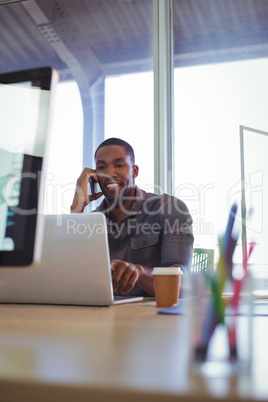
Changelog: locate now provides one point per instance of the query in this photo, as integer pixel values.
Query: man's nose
(111, 171)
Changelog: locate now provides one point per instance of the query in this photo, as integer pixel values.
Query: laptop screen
(24, 110)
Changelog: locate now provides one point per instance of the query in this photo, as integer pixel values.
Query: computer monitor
(25, 106)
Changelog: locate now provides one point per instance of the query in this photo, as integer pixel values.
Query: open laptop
(74, 268)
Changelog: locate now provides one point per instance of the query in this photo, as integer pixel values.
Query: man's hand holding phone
(93, 188)
(81, 197)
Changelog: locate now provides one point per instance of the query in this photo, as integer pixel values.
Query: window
(106, 47)
(65, 149)
(98, 45)
(220, 83)
(129, 115)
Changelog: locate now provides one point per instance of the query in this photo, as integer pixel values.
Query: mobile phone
(93, 185)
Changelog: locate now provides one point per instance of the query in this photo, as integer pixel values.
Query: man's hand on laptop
(125, 275)
(81, 197)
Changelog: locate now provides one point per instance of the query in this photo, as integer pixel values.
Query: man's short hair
(121, 143)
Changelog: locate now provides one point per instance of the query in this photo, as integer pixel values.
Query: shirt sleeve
(177, 240)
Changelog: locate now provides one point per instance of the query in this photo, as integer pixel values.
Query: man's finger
(126, 287)
(117, 271)
(124, 280)
(97, 195)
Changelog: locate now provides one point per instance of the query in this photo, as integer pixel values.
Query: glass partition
(254, 175)
(103, 51)
(129, 115)
(221, 83)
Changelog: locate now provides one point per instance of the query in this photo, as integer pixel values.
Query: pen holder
(221, 345)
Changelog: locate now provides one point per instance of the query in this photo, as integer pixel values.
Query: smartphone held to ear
(94, 187)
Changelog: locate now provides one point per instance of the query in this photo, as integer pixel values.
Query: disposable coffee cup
(167, 283)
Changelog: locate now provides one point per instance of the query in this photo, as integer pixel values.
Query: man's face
(115, 172)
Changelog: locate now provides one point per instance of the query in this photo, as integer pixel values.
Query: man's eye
(100, 167)
(119, 165)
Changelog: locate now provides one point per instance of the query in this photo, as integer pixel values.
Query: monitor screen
(25, 98)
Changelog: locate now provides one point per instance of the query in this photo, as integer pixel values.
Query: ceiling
(88, 39)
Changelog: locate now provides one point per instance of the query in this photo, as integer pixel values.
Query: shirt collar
(139, 198)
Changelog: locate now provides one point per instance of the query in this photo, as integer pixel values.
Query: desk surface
(119, 353)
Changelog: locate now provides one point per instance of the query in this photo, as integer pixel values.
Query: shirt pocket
(144, 241)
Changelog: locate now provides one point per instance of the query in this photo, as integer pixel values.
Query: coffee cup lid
(167, 271)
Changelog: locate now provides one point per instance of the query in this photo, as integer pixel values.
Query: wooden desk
(121, 353)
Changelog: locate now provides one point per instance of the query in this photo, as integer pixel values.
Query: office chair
(203, 259)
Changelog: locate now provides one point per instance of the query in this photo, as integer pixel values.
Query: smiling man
(144, 230)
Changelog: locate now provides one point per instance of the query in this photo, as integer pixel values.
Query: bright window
(211, 102)
(129, 115)
(65, 150)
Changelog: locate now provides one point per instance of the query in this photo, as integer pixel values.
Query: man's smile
(112, 185)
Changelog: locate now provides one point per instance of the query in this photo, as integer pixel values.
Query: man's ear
(135, 171)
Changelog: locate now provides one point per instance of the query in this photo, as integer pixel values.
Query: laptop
(74, 268)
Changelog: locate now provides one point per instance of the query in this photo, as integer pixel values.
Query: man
(144, 230)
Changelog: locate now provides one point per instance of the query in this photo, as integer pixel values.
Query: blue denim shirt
(156, 232)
